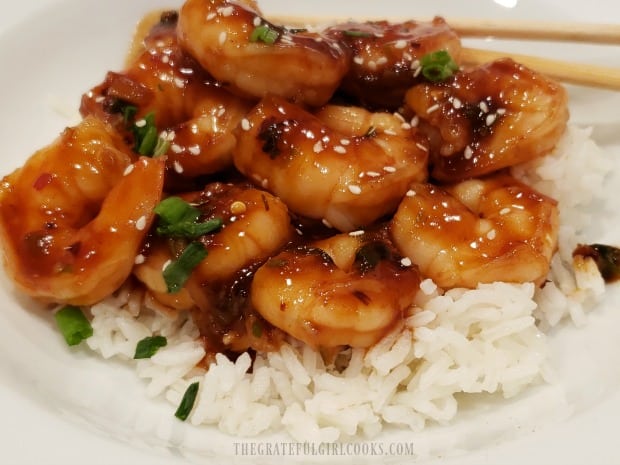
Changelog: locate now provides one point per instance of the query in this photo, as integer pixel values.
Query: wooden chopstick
(569, 72)
(501, 29)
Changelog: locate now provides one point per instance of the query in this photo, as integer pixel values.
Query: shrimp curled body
(344, 165)
(344, 290)
(488, 118)
(477, 231)
(72, 220)
(298, 65)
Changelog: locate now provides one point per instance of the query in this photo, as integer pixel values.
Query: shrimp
(477, 231)
(253, 57)
(256, 225)
(345, 165)
(344, 290)
(386, 57)
(488, 118)
(194, 114)
(73, 217)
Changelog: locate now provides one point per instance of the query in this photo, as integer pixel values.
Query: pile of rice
(485, 340)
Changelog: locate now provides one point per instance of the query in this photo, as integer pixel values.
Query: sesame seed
(318, 147)
(326, 223)
(139, 260)
(226, 11)
(238, 207)
(389, 169)
(265, 183)
(372, 174)
(241, 234)
(399, 116)
(411, 193)
(345, 141)
(382, 61)
(491, 234)
(194, 149)
(490, 119)
(245, 124)
(356, 190)
(99, 99)
(405, 126)
(400, 44)
(414, 121)
(222, 37)
(504, 211)
(140, 123)
(340, 149)
(180, 83)
(165, 59)
(415, 65)
(178, 167)
(358, 60)
(406, 261)
(484, 107)
(501, 111)
(360, 232)
(468, 153)
(166, 264)
(128, 170)
(170, 135)
(176, 148)
(141, 223)
(424, 148)
(389, 132)
(432, 108)
(257, 21)
(211, 16)
(221, 112)
(428, 286)
(456, 103)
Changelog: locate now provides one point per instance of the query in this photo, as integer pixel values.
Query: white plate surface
(62, 406)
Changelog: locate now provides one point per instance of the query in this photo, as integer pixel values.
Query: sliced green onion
(73, 325)
(129, 114)
(264, 33)
(177, 218)
(149, 346)
(178, 272)
(257, 330)
(438, 66)
(369, 255)
(161, 147)
(187, 403)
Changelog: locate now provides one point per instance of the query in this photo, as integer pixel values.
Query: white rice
(485, 340)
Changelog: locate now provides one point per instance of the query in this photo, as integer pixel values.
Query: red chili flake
(42, 181)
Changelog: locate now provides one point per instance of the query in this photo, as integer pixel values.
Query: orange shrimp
(74, 216)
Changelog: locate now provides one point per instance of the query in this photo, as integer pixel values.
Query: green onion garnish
(149, 346)
(73, 324)
(438, 66)
(187, 403)
(177, 272)
(129, 114)
(177, 218)
(147, 140)
(264, 33)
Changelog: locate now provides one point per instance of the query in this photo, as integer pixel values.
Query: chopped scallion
(438, 66)
(147, 140)
(149, 346)
(178, 272)
(73, 325)
(264, 33)
(177, 218)
(352, 33)
(187, 403)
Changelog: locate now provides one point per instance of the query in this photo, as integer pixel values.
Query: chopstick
(569, 72)
(501, 29)
(574, 73)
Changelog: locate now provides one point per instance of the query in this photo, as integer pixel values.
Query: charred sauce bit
(272, 134)
(606, 257)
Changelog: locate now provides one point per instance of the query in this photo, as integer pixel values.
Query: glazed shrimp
(491, 117)
(191, 111)
(386, 57)
(224, 36)
(345, 290)
(345, 165)
(255, 226)
(74, 216)
(477, 231)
